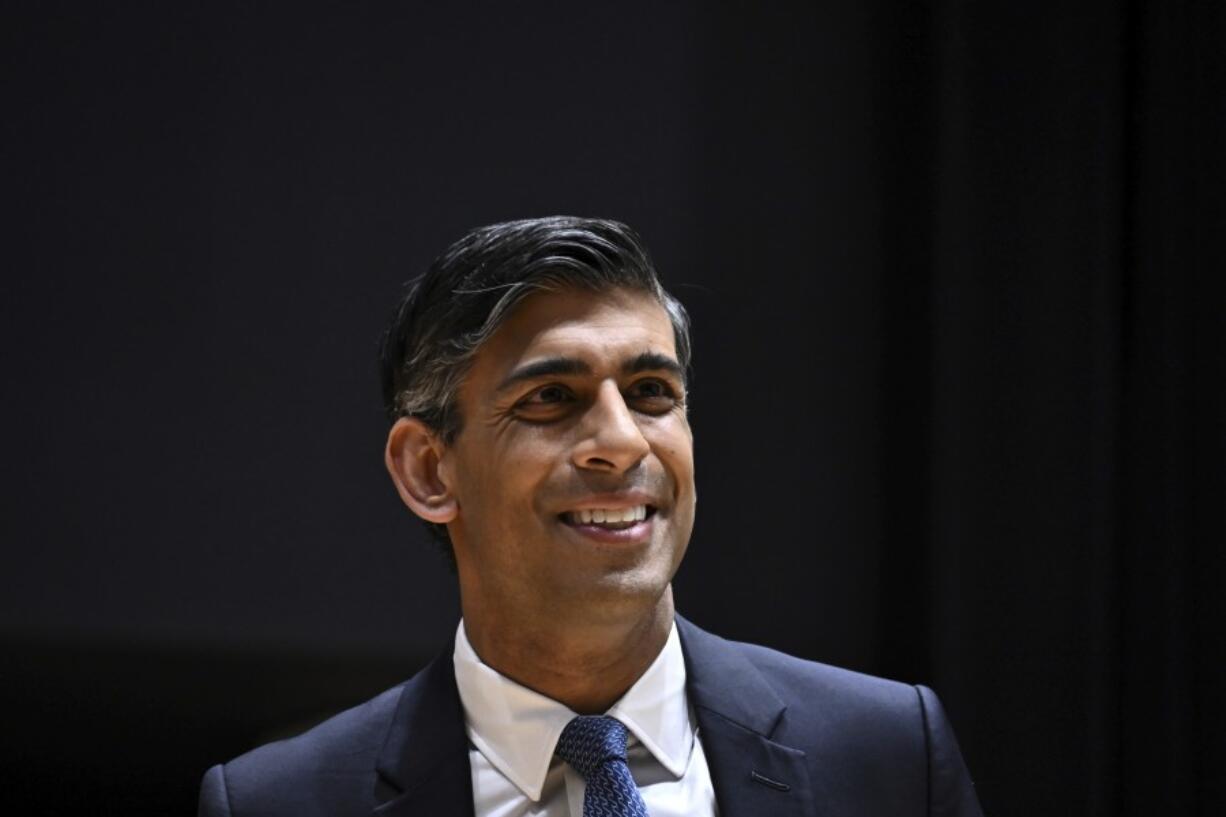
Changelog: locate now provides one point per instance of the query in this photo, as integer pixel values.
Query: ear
(414, 457)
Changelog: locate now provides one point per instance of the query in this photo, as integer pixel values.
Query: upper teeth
(587, 516)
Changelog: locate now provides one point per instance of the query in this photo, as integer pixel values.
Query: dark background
(958, 394)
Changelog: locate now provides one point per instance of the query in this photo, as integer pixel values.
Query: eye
(653, 395)
(547, 395)
(546, 403)
(651, 388)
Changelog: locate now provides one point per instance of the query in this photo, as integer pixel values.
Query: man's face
(574, 409)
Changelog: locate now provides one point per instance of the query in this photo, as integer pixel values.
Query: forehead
(612, 324)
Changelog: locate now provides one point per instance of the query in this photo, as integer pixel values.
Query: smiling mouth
(609, 518)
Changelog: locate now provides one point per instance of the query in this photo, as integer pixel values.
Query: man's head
(535, 376)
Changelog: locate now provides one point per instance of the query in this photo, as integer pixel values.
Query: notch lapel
(738, 712)
(423, 766)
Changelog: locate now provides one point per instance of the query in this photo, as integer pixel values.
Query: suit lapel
(737, 712)
(423, 766)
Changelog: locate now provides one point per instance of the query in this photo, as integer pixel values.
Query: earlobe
(413, 458)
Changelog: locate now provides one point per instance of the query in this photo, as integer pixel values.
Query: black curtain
(1058, 390)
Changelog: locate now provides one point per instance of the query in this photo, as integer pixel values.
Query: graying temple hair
(422, 374)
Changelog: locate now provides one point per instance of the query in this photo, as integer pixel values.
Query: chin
(624, 592)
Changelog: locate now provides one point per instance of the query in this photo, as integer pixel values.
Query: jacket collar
(738, 714)
(423, 766)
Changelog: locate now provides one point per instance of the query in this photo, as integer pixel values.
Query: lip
(637, 534)
(616, 501)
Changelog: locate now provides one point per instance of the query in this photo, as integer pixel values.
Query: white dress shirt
(512, 732)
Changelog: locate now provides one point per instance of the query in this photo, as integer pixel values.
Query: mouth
(614, 525)
(609, 518)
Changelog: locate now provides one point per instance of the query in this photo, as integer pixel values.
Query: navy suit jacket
(783, 737)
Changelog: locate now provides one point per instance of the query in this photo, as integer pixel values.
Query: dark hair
(447, 313)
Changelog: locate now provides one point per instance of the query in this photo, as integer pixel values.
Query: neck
(587, 666)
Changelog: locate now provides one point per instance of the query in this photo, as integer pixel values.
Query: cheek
(676, 447)
(510, 475)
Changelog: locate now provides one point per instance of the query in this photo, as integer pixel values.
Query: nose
(613, 441)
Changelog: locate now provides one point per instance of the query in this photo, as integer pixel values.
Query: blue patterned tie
(595, 746)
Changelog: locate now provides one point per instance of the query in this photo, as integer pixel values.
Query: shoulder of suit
(299, 774)
(829, 700)
(803, 674)
(779, 668)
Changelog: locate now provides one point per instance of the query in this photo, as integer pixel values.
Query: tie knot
(590, 740)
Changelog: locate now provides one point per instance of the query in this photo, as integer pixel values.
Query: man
(535, 377)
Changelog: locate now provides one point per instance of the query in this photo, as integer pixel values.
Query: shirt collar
(517, 729)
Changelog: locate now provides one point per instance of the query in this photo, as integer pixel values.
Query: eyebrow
(654, 362)
(556, 366)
